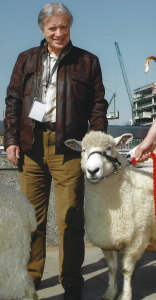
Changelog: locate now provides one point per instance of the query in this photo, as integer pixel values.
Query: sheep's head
(94, 164)
(99, 153)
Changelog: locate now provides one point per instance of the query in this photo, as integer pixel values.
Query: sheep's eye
(83, 150)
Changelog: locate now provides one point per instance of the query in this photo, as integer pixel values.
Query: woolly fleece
(17, 221)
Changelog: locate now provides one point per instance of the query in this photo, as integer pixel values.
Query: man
(55, 89)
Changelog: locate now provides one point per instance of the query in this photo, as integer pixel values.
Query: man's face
(57, 32)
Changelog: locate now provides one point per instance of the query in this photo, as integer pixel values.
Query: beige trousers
(36, 172)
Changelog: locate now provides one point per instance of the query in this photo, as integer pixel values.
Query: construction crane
(113, 97)
(124, 74)
(115, 114)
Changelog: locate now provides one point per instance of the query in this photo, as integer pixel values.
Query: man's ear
(74, 145)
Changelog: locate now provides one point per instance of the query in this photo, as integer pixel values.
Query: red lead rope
(154, 178)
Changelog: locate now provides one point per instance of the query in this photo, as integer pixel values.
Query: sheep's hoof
(110, 294)
(125, 296)
(35, 296)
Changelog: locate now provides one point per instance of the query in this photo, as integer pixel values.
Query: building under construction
(144, 105)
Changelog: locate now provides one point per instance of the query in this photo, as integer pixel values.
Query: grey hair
(51, 9)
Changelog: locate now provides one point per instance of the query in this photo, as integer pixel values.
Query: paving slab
(95, 274)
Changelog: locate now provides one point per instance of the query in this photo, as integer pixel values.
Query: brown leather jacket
(80, 97)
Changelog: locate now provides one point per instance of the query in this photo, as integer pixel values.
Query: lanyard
(49, 76)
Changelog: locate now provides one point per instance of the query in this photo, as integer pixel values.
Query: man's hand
(154, 89)
(13, 154)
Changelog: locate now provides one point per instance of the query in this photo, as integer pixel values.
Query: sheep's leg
(111, 257)
(128, 268)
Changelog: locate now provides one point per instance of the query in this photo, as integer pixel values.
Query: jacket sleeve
(98, 119)
(13, 109)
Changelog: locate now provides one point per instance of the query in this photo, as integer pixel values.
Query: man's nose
(58, 32)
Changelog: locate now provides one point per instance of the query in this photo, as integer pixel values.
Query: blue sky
(97, 25)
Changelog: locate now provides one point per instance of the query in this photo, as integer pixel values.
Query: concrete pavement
(95, 274)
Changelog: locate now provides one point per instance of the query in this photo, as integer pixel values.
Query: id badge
(37, 110)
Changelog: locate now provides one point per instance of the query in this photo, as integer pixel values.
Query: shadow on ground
(143, 281)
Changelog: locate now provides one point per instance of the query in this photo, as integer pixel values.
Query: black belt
(45, 126)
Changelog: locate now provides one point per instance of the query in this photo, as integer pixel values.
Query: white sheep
(119, 207)
(17, 221)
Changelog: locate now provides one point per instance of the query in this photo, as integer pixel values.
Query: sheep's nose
(93, 172)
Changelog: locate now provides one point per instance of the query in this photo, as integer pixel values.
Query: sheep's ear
(123, 139)
(74, 144)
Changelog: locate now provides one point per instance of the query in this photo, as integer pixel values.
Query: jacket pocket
(84, 78)
(26, 84)
(82, 86)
